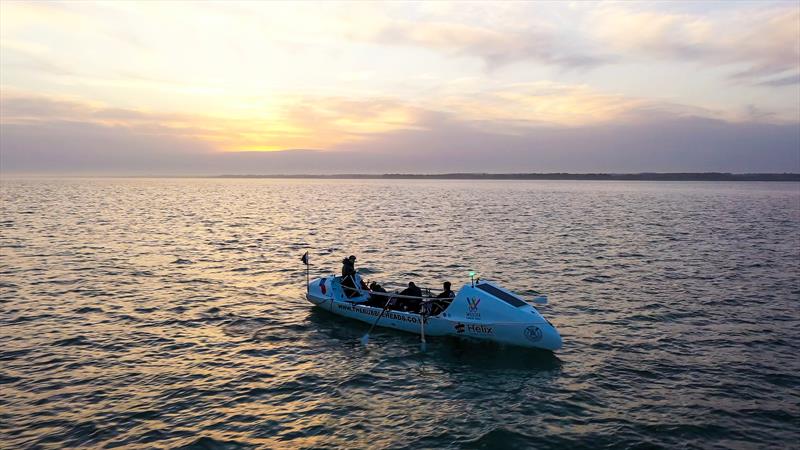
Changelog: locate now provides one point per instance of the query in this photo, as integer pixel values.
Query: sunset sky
(265, 87)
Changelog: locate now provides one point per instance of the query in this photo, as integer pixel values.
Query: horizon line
(587, 176)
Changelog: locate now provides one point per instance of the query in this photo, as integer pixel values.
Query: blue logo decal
(472, 311)
(534, 334)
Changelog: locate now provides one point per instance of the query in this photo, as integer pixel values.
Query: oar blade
(423, 346)
(365, 339)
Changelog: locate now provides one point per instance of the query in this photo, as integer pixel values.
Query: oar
(365, 338)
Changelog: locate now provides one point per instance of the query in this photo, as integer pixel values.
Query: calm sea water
(169, 313)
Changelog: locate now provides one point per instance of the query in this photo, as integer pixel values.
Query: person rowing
(411, 304)
(442, 300)
(375, 297)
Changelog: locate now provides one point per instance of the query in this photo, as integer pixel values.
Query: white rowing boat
(480, 310)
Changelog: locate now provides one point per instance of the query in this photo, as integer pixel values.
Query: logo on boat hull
(322, 286)
(473, 329)
(480, 329)
(472, 311)
(533, 334)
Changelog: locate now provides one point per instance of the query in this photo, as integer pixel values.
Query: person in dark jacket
(349, 266)
(349, 276)
(442, 300)
(447, 292)
(411, 304)
(374, 298)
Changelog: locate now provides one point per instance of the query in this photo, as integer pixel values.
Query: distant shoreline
(676, 176)
(645, 176)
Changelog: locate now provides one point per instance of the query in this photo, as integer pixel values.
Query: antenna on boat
(472, 277)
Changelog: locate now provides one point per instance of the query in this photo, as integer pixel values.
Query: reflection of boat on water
(479, 310)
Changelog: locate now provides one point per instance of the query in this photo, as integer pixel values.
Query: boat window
(502, 295)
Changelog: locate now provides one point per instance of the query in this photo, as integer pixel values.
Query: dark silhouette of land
(647, 176)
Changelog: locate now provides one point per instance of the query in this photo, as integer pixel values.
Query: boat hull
(538, 334)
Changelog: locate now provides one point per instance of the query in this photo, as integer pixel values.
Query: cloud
(789, 80)
(37, 108)
(495, 48)
(666, 142)
(530, 126)
(34, 109)
(80, 147)
(293, 122)
(756, 43)
(30, 59)
(550, 103)
(653, 138)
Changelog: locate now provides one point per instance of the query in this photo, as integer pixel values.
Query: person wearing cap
(349, 276)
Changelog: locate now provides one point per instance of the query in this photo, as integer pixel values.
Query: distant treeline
(646, 176)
